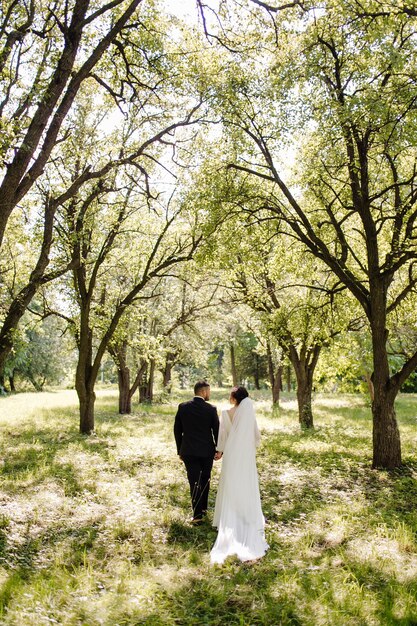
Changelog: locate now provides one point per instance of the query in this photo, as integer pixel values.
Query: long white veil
(238, 513)
(244, 432)
(239, 463)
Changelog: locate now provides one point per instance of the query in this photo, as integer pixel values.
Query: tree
(185, 316)
(102, 173)
(100, 308)
(346, 365)
(298, 305)
(351, 199)
(170, 328)
(48, 54)
(40, 355)
(137, 345)
(295, 298)
(116, 234)
(275, 369)
(44, 359)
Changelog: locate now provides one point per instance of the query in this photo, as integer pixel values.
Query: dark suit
(196, 429)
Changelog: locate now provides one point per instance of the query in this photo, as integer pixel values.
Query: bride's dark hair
(239, 394)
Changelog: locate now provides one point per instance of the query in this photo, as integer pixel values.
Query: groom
(196, 429)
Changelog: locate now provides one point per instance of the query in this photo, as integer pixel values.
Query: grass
(94, 531)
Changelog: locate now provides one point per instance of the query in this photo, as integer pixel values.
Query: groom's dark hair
(200, 384)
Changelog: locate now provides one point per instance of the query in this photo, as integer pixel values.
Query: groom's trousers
(198, 473)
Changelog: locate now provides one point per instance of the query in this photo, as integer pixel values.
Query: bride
(238, 514)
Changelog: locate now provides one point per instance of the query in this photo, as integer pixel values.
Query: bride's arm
(257, 434)
(223, 433)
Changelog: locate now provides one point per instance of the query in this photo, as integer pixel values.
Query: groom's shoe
(196, 521)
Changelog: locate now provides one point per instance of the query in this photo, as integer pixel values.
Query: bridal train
(238, 513)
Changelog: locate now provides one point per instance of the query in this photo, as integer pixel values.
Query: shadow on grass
(393, 497)
(24, 562)
(394, 607)
(30, 457)
(29, 448)
(232, 596)
(327, 465)
(318, 448)
(187, 536)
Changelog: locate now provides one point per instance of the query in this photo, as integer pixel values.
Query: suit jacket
(196, 428)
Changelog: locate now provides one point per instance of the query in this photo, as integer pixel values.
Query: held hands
(218, 455)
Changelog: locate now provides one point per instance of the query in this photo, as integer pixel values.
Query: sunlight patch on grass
(23, 405)
(352, 601)
(314, 445)
(85, 466)
(128, 510)
(403, 534)
(295, 476)
(338, 401)
(146, 447)
(332, 525)
(289, 404)
(385, 555)
(169, 577)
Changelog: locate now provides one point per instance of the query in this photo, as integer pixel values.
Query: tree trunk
(12, 383)
(125, 398)
(256, 373)
(233, 365)
(87, 398)
(304, 365)
(219, 364)
(277, 386)
(275, 376)
(167, 371)
(167, 377)
(151, 381)
(85, 378)
(84, 385)
(288, 377)
(386, 436)
(147, 381)
(36, 385)
(139, 377)
(143, 382)
(118, 351)
(304, 399)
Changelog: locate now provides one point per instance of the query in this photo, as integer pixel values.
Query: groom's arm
(178, 429)
(220, 441)
(215, 425)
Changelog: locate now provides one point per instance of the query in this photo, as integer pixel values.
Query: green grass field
(94, 530)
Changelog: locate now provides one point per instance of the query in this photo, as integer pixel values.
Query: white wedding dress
(238, 513)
